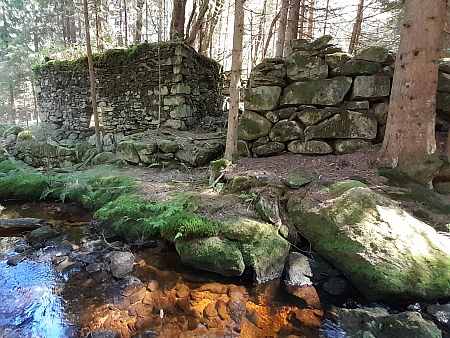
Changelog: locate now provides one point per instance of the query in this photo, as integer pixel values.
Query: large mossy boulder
(212, 254)
(386, 253)
(327, 92)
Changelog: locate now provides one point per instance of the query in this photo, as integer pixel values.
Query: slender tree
(356, 32)
(92, 77)
(281, 36)
(236, 68)
(410, 137)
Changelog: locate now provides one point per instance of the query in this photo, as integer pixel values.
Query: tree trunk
(92, 77)
(178, 19)
(138, 31)
(197, 25)
(302, 21)
(356, 28)
(292, 26)
(281, 36)
(410, 137)
(270, 34)
(327, 9)
(12, 103)
(236, 65)
(125, 23)
(311, 20)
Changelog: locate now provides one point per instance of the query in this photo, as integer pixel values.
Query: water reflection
(29, 302)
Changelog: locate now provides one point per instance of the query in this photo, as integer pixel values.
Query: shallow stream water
(38, 301)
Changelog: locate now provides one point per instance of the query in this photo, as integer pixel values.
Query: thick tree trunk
(292, 26)
(356, 32)
(410, 137)
(92, 77)
(236, 65)
(281, 36)
(178, 19)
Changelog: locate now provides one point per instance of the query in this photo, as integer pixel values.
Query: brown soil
(157, 183)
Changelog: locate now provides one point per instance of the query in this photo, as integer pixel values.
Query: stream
(40, 297)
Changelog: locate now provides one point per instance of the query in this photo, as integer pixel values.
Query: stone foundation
(140, 88)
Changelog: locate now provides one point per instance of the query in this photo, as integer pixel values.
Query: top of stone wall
(175, 50)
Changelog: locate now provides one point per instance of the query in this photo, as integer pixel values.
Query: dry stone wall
(149, 85)
(321, 100)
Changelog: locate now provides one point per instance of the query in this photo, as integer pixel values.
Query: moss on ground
(131, 215)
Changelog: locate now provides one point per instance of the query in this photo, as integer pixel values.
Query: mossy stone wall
(140, 88)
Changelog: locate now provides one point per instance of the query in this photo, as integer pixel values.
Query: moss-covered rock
(262, 247)
(212, 254)
(104, 158)
(25, 135)
(356, 68)
(126, 151)
(312, 147)
(269, 149)
(168, 146)
(374, 54)
(377, 322)
(386, 253)
(13, 130)
(253, 126)
(286, 130)
(348, 124)
(349, 146)
(262, 98)
(304, 68)
(327, 92)
(337, 59)
(270, 72)
(371, 87)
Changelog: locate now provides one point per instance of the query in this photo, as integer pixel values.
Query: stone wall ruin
(140, 88)
(320, 100)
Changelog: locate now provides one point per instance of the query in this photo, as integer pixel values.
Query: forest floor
(219, 204)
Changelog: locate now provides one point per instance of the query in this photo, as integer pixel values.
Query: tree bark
(92, 77)
(302, 20)
(236, 65)
(270, 34)
(292, 26)
(138, 29)
(311, 19)
(281, 36)
(410, 136)
(356, 32)
(178, 19)
(198, 23)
